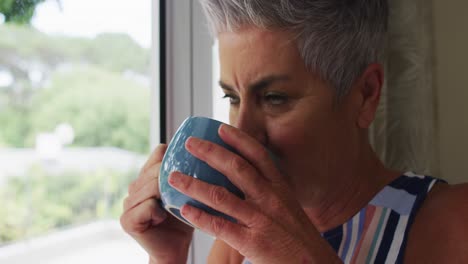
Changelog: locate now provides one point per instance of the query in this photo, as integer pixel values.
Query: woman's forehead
(253, 54)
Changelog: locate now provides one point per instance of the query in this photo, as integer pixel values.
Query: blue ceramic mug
(177, 158)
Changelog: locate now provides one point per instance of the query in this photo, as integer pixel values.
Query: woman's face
(276, 100)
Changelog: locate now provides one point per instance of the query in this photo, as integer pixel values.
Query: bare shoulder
(440, 230)
(223, 253)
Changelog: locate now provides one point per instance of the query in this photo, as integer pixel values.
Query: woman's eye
(276, 99)
(232, 99)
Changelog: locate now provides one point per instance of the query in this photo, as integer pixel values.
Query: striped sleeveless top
(379, 231)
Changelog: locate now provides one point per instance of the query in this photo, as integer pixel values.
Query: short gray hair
(337, 39)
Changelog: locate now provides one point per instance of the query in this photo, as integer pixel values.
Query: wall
(451, 82)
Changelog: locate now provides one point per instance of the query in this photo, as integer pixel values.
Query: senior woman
(303, 79)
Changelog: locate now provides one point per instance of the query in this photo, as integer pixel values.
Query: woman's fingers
(240, 172)
(232, 233)
(250, 149)
(149, 190)
(150, 170)
(144, 191)
(149, 176)
(156, 156)
(216, 197)
(138, 219)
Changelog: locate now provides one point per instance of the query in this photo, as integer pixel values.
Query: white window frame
(188, 81)
(155, 111)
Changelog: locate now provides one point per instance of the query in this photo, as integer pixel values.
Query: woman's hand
(272, 227)
(165, 238)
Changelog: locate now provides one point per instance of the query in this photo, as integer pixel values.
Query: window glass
(74, 127)
(220, 104)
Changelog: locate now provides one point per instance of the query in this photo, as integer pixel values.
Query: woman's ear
(369, 88)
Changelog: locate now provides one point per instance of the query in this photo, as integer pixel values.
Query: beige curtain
(404, 132)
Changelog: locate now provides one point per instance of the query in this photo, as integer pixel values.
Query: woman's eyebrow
(261, 84)
(225, 86)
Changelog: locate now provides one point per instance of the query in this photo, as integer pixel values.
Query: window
(76, 86)
(220, 107)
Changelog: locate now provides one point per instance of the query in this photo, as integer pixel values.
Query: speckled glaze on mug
(177, 158)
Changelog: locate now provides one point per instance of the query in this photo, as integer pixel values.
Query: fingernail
(225, 128)
(174, 178)
(185, 210)
(190, 142)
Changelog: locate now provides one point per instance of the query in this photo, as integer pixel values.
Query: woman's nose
(251, 123)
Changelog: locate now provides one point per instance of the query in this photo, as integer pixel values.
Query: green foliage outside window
(93, 85)
(40, 202)
(104, 108)
(18, 11)
(86, 87)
